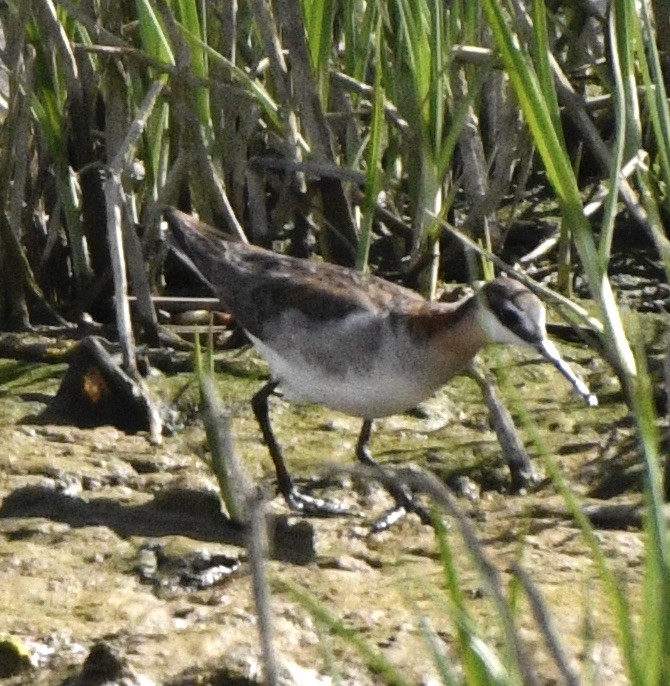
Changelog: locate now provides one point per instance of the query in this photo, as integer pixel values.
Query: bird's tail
(201, 247)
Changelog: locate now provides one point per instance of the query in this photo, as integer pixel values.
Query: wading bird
(351, 341)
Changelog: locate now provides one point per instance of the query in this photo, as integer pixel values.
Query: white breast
(385, 379)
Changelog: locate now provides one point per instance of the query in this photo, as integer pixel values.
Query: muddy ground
(113, 545)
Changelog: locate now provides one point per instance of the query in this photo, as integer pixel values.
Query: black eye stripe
(510, 307)
(516, 308)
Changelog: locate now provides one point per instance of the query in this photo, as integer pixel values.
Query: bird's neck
(452, 334)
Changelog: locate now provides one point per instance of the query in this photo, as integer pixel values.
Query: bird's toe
(312, 506)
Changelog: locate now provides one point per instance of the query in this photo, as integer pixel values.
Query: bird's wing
(258, 285)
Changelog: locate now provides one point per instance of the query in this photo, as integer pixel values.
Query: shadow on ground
(174, 512)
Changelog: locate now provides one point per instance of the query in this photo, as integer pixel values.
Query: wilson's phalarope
(352, 341)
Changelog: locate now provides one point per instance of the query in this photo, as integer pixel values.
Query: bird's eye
(511, 316)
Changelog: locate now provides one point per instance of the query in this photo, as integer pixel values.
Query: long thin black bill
(551, 354)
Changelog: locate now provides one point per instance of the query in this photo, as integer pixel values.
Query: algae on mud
(66, 584)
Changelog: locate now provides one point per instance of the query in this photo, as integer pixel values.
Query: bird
(352, 341)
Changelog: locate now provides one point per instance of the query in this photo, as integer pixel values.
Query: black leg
(362, 448)
(296, 501)
(402, 496)
(259, 403)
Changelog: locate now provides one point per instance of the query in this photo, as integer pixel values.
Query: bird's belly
(377, 391)
(361, 396)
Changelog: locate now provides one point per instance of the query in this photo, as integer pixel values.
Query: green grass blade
(624, 18)
(542, 52)
(620, 112)
(440, 660)
(655, 642)
(153, 34)
(615, 593)
(656, 95)
(479, 663)
(373, 173)
(534, 105)
(252, 86)
(187, 15)
(374, 658)
(357, 32)
(563, 180)
(458, 116)
(319, 16)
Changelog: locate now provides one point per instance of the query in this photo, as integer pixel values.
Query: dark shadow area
(44, 398)
(220, 677)
(619, 468)
(175, 512)
(95, 391)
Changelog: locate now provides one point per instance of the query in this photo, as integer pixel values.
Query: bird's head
(508, 312)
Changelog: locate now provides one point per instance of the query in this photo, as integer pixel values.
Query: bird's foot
(315, 507)
(404, 504)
